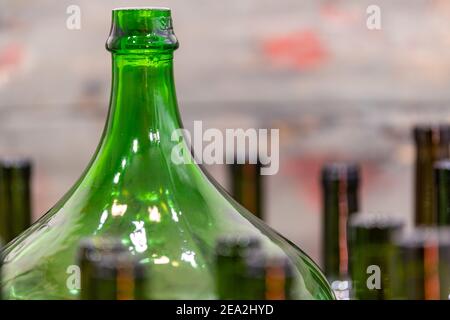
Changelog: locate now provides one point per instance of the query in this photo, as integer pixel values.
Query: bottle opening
(142, 8)
(141, 30)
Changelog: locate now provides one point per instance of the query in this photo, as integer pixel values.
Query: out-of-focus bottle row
(365, 255)
(374, 256)
(368, 255)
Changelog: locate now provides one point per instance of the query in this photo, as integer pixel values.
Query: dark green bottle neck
(442, 192)
(340, 202)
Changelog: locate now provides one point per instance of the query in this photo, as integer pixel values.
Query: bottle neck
(143, 114)
(426, 155)
(143, 100)
(441, 194)
(143, 111)
(340, 201)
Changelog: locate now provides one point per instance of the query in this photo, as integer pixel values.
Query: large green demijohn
(168, 214)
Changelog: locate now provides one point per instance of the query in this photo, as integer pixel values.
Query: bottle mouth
(141, 30)
(142, 8)
(428, 134)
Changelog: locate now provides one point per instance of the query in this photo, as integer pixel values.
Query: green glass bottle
(247, 186)
(432, 144)
(230, 264)
(144, 187)
(340, 192)
(422, 262)
(370, 240)
(15, 197)
(442, 192)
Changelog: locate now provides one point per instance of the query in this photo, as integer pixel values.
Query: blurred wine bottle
(432, 144)
(15, 197)
(279, 279)
(230, 262)
(340, 192)
(247, 186)
(442, 192)
(422, 263)
(90, 251)
(1, 267)
(371, 248)
(110, 272)
(253, 283)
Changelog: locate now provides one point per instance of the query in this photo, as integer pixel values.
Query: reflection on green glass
(169, 213)
(371, 248)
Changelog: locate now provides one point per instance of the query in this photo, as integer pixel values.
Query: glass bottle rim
(146, 8)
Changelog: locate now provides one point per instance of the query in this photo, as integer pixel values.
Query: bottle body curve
(144, 187)
(173, 230)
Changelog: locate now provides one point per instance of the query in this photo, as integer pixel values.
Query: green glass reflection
(170, 214)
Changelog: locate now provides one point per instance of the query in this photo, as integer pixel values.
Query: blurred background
(312, 68)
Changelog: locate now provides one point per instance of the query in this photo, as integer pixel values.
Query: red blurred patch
(10, 57)
(337, 14)
(301, 50)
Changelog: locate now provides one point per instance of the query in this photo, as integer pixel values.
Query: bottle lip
(109, 265)
(422, 237)
(282, 263)
(239, 241)
(375, 221)
(431, 133)
(23, 163)
(442, 165)
(255, 264)
(96, 246)
(367, 228)
(341, 171)
(141, 30)
(236, 245)
(142, 8)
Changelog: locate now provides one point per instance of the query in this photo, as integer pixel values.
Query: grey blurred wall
(334, 88)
